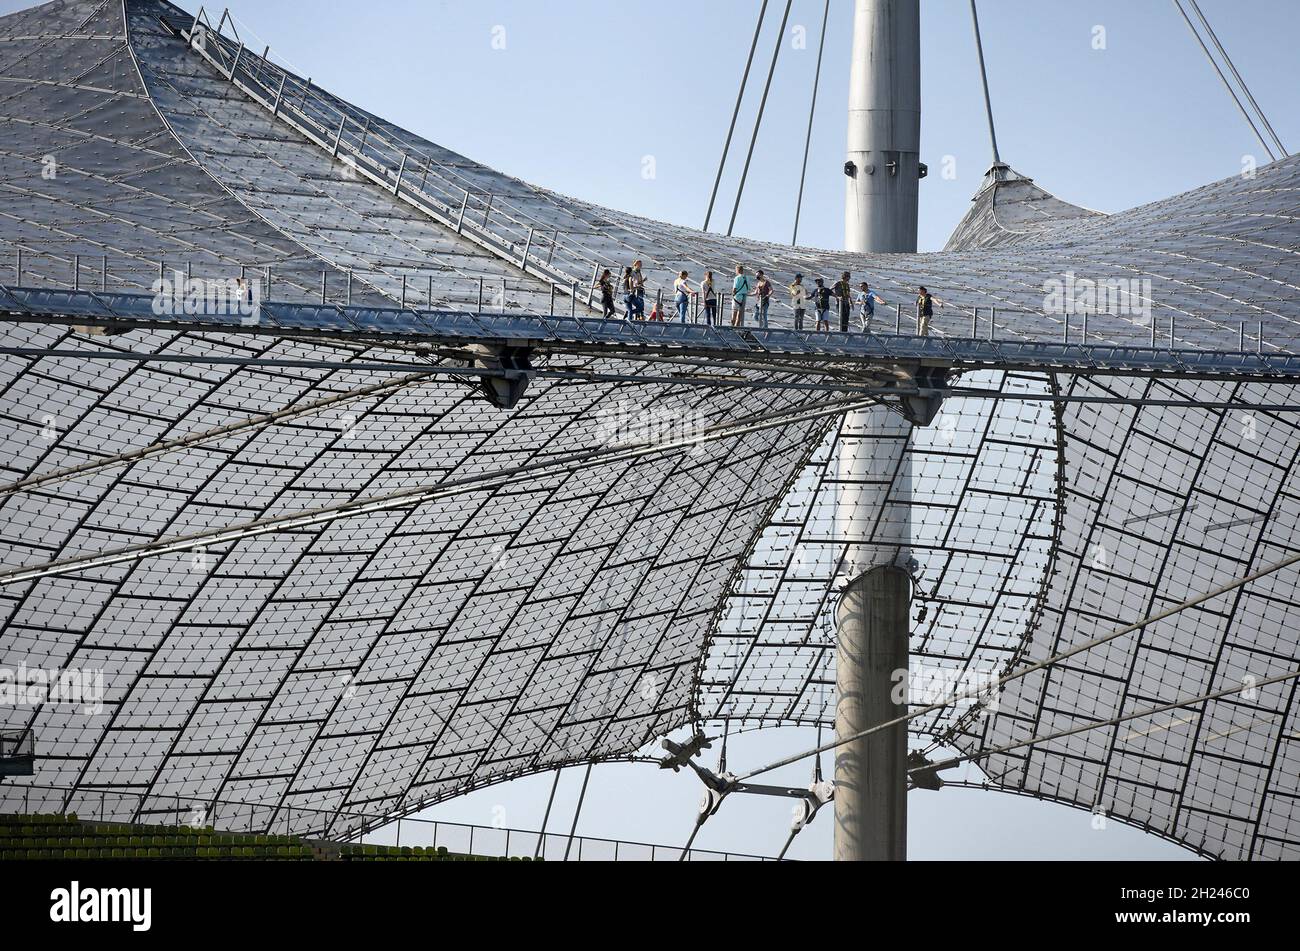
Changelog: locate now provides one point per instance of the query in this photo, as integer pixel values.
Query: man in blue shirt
(867, 299)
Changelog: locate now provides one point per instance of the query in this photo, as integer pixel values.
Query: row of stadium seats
(65, 837)
(383, 853)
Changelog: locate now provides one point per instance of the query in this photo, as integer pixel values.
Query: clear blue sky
(584, 90)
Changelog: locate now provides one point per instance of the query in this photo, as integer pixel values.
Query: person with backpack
(822, 304)
(763, 291)
(710, 298)
(606, 285)
(867, 299)
(798, 301)
(844, 294)
(740, 291)
(925, 304)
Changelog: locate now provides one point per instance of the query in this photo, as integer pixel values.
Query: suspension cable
(541, 836)
(1214, 38)
(984, 76)
(758, 122)
(1113, 721)
(1032, 668)
(812, 113)
(418, 495)
(1224, 79)
(577, 812)
(744, 81)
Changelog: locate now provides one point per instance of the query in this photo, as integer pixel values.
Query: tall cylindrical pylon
(873, 463)
(884, 148)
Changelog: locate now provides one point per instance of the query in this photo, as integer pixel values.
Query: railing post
(1065, 329)
(76, 272)
(528, 246)
(1085, 328)
(268, 282)
(401, 170)
(1171, 331)
(975, 324)
(239, 53)
(18, 269)
(1241, 339)
(430, 295)
(573, 302)
(338, 136)
(324, 275)
(595, 276)
(898, 320)
(1153, 331)
(403, 292)
(1259, 344)
(480, 296)
(464, 204)
(349, 294)
(993, 323)
(552, 300)
(503, 297)
(279, 95)
(103, 275)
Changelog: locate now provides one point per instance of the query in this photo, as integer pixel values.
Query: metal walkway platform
(614, 338)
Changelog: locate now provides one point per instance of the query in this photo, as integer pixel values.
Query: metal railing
(253, 819)
(295, 283)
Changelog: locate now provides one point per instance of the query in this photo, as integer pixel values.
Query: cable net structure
(415, 593)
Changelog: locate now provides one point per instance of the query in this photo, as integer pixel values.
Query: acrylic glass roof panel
(366, 664)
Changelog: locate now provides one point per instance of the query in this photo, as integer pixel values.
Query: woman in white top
(683, 288)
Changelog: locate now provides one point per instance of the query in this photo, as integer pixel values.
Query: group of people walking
(841, 298)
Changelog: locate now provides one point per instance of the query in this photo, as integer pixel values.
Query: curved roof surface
(527, 607)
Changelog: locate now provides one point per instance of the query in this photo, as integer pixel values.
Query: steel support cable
(1224, 79)
(812, 113)
(984, 76)
(577, 812)
(758, 121)
(422, 494)
(546, 818)
(1113, 721)
(845, 385)
(735, 115)
(1034, 667)
(206, 436)
(1214, 38)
